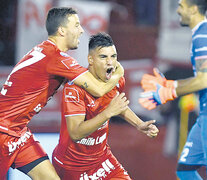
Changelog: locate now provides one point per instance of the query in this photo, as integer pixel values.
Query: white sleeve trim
(79, 76)
(75, 115)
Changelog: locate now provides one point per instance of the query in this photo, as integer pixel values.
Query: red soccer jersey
(31, 83)
(88, 151)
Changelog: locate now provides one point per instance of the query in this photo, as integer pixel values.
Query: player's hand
(156, 97)
(148, 81)
(118, 104)
(149, 128)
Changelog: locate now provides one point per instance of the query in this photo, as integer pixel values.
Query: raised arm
(147, 127)
(98, 88)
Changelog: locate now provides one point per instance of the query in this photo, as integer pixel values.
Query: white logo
(71, 95)
(92, 104)
(38, 108)
(21, 141)
(74, 63)
(102, 172)
(92, 141)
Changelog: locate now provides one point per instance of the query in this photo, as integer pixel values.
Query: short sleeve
(121, 85)
(66, 67)
(200, 46)
(73, 101)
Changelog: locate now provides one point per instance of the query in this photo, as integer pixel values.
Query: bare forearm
(88, 127)
(96, 87)
(131, 117)
(191, 85)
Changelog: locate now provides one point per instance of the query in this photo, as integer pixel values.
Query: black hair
(100, 40)
(56, 17)
(202, 5)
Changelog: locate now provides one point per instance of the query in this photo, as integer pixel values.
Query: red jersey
(31, 84)
(87, 152)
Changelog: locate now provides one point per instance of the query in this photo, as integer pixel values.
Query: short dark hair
(57, 17)
(100, 40)
(202, 5)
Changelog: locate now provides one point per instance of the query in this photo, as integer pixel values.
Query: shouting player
(83, 152)
(29, 86)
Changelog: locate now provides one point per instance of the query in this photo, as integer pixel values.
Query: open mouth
(109, 72)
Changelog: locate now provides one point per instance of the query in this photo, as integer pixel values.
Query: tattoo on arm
(85, 85)
(201, 65)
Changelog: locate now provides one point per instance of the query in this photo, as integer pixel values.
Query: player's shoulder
(201, 30)
(72, 86)
(50, 49)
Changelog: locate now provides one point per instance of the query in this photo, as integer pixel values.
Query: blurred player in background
(32, 82)
(159, 90)
(83, 152)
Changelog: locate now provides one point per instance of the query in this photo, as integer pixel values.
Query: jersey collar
(198, 25)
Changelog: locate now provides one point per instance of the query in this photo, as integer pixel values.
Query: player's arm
(98, 88)
(147, 127)
(194, 84)
(78, 128)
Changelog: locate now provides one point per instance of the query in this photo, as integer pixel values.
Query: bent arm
(194, 84)
(131, 117)
(147, 127)
(98, 88)
(78, 128)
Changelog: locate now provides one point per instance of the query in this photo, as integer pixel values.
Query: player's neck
(196, 20)
(59, 43)
(91, 70)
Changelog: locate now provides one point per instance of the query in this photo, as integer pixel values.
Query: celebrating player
(83, 152)
(32, 82)
(159, 90)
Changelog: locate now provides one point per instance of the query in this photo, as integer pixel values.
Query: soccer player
(32, 82)
(83, 152)
(159, 90)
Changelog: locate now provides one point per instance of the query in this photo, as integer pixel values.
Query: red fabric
(86, 153)
(31, 83)
(107, 168)
(22, 151)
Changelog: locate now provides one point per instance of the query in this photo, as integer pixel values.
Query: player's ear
(61, 30)
(194, 9)
(90, 59)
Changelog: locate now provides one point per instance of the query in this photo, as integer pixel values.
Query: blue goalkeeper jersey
(199, 51)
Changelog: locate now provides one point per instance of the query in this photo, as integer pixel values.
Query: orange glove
(151, 99)
(148, 81)
(147, 103)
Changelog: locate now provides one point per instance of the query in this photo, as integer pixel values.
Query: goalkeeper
(158, 90)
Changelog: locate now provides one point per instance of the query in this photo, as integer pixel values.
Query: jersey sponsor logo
(71, 95)
(92, 141)
(21, 141)
(70, 64)
(102, 172)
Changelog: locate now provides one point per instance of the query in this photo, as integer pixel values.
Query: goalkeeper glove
(148, 81)
(151, 99)
(147, 103)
